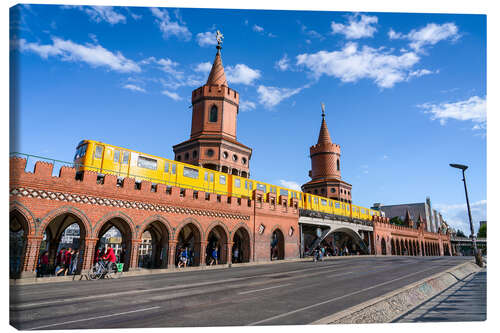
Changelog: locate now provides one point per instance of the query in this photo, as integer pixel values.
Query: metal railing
(335, 217)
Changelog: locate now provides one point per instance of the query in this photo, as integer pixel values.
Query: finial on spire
(219, 36)
(323, 110)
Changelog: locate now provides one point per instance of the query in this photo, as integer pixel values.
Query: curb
(386, 308)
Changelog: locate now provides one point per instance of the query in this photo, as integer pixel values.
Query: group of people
(321, 251)
(66, 263)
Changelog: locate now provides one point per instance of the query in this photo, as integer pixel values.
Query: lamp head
(459, 166)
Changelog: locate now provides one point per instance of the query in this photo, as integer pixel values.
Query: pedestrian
(322, 254)
(110, 258)
(236, 254)
(60, 261)
(67, 261)
(183, 258)
(346, 250)
(214, 256)
(74, 261)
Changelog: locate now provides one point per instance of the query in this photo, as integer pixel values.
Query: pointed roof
(408, 218)
(324, 134)
(217, 75)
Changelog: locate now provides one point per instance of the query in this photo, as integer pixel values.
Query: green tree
(397, 221)
(460, 233)
(482, 231)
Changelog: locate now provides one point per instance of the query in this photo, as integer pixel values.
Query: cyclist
(109, 257)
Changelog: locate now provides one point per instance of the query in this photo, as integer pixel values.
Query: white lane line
(334, 299)
(253, 291)
(92, 318)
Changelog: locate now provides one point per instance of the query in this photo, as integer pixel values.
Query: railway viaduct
(43, 206)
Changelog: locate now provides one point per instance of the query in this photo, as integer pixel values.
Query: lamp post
(463, 168)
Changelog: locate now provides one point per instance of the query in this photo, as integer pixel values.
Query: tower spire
(324, 134)
(217, 76)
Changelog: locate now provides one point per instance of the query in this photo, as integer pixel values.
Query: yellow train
(108, 159)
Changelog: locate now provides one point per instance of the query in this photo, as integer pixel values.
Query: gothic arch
(18, 207)
(184, 223)
(50, 216)
(109, 216)
(147, 221)
(213, 225)
(241, 225)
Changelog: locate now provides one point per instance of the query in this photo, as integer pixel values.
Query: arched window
(338, 165)
(213, 114)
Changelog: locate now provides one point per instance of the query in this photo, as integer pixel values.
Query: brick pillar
(172, 247)
(229, 250)
(202, 255)
(88, 256)
(134, 256)
(31, 255)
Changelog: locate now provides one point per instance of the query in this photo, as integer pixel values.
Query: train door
(97, 157)
(124, 164)
(208, 181)
(173, 174)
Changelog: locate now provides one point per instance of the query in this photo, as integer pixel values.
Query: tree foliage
(482, 231)
(397, 221)
(460, 233)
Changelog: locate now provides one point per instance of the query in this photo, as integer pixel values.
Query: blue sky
(405, 94)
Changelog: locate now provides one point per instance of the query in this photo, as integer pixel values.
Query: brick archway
(277, 244)
(19, 229)
(125, 226)
(242, 240)
(153, 252)
(217, 237)
(26, 214)
(190, 235)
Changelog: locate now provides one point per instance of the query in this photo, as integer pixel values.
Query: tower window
(179, 157)
(243, 160)
(195, 154)
(332, 190)
(235, 158)
(213, 114)
(225, 154)
(210, 152)
(186, 156)
(338, 165)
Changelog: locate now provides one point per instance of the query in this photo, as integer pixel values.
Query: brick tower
(213, 143)
(325, 168)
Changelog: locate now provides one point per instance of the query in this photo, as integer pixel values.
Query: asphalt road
(290, 293)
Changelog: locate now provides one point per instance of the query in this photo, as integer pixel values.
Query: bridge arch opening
(277, 245)
(189, 237)
(383, 246)
(117, 234)
(349, 242)
(153, 250)
(393, 247)
(63, 246)
(216, 250)
(18, 232)
(241, 244)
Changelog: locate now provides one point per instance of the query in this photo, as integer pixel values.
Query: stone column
(88, 255)
(134, 255)
(30, 258)
(229, 248)
(172, 247)
(202, 255)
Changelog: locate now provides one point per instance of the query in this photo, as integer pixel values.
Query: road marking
(92, 318)
(334, 299)
(334, 275)
(253, 291)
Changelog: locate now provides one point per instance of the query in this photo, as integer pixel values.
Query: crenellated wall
(41, 199)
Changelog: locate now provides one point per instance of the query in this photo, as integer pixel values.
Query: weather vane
(322, 109)
(219, 37)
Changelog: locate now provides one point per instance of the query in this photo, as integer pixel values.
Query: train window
(125, 157)
(98, 152)
(211, 177)
(315, 200)
(237, 182)
(222, 179)
(337, 205)
(284, 192)
(250, 185)
(272, 189)
(116, 158)
(261, 187)
(174, 168)
(146, 162)
(206, 176)
(330, 204)
(323, 202)
(166, 167)
(301, 196)
(190, 173)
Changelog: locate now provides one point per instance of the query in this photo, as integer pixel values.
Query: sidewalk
(463, 301)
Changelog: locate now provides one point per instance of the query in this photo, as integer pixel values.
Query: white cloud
(169, 27)
(457, 217)
(93, 54)
(241, 73)
(172, 95)
(431, 34)
(359, 26)
(203, 67)
(247, 105)
(290, 184)
(283, 63)
(473, 109)
(206, 38)
(104, 13)
(165, 64)
(257, 28)
(272, 96)
(133, 87)
(422, 72)
(352, 64)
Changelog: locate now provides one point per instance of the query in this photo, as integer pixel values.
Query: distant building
(432, 218)
(481, 223)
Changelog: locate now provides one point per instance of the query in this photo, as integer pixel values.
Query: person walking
(236, 254)
(60, 261)
(214, 256)
(44, 264)
(183, 258)
(74, 261)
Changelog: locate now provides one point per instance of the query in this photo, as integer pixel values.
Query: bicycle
(100, 271)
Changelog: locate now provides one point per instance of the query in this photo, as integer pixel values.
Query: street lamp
(463, 168)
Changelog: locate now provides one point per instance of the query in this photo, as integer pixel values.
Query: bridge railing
(328, 216)
(465, 239)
